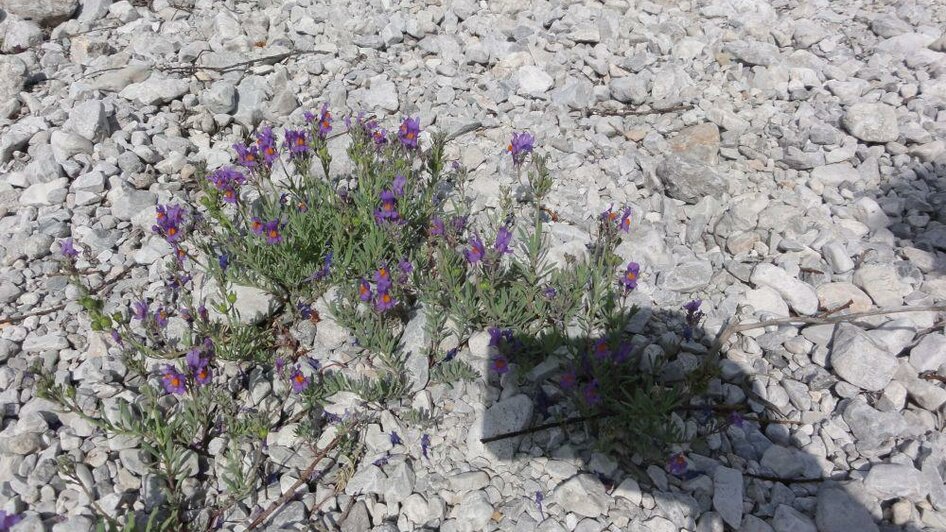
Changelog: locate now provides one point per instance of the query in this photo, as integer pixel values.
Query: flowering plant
(383, 253)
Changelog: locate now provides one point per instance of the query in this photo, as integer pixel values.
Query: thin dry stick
(638, 112)
(103, 286)
(303, 478)
(734, 328)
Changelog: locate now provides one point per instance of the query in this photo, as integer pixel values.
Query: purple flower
(693, 317)
(520, 146)
(629, 279)
(625, 223)
(172, 380)
(451, 354)
(398, 185)
(305, 310)
(256, 225)
(538, 502)
(549, 292)
(325, 270)
(247, 156)
(404, 268)
(601, 350)
(736, 419)
(298, 380)
(364, 290)
(425, 444)
(383, 460)
(380, 137)
(280, 364)
(296, 142)
(589, 393)
(395, 439)
(67, 248)
(8, 520)
(170, 219)
(503, 237)
(382, 279)
(677, 464)
(198, 365)
(477, 250)
(384, 302)
(325, 122)
(500, 364)
(139, 310)
(568, 380)
(202, 313)
(436, 226)
(309, 117)
(388, 210)
(226, 177)
(501, 338)
(458, 223)
(408, 132)
(623, 354)
(271, 232)
(161, 317)
(223, 261)
(266, 141)
(116, 337)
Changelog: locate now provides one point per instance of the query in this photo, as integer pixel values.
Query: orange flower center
(410, 135)
(270, 150)
(175, 381)
(300, 141)
(631, 276)
(250, 157)
(300, 378)
(386, 298)
(273, 233)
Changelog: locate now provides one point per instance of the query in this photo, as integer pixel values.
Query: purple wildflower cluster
(170, 223)
(382, 295)
(505, 344)
(322, 123)
(630, 276)
(425, 444)
(326, 269)
(371, 128)
(8, 520)
(409, 132)
(198, 372)
(299, 380)
(477, 252)
(296, 143)
(268, 230)
(387, 211)
(227, 181)
(520, 146)
(692, 318)
(450, 230)
(619, 220)
(677, 464)
(68, 250)
(141, 311)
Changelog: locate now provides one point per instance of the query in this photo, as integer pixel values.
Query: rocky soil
(789, 157)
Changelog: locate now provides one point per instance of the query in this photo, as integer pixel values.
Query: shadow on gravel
(589, 462)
